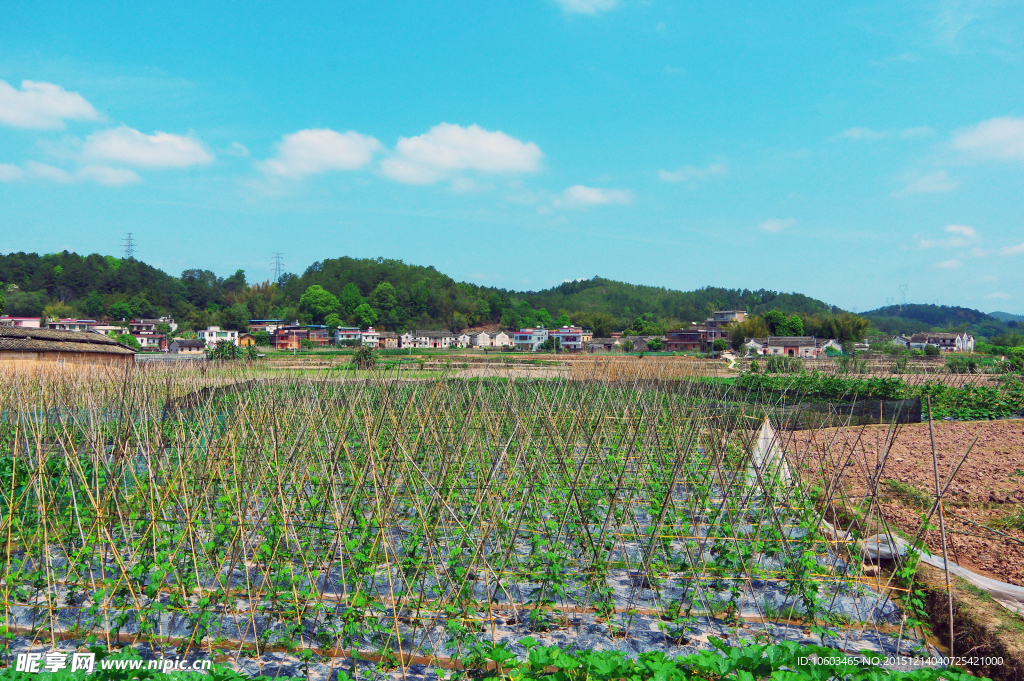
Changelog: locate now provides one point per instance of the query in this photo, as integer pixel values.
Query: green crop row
(967, 402)
(787, 660)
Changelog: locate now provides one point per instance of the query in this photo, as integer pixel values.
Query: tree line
(386, 293)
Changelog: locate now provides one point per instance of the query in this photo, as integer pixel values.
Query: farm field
(271, 520)
(983, 504)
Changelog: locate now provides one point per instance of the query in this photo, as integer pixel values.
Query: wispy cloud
(1013, 250)
(965, 235)
(694, 173)
(948, 264)
(447, 150)
(105, 175)
(42, 106)
(776, 225)
(131, 147)
(591, 7)
(10, 172)
(870, 135)
(999, 295)
(1000, 139)
(939, 181)
(580, 196)
(308, 152)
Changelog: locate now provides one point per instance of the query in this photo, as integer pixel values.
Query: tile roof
(49, 340)
(189, 343)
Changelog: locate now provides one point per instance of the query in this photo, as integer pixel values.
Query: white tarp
(768, 456)
(1007, 595)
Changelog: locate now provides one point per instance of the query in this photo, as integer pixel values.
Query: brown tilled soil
(985, 497)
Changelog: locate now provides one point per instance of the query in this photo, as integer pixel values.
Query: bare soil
(985, 494)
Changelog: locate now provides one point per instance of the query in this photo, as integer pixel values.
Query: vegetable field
(420, 521)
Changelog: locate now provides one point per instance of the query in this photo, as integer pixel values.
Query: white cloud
(999, 295)
(308, 152)
(966, 235)
(447, 149)
(1013, 250)
(687, 173)
(776, 225)
(112, 177)
(591, 7)
(872, 135)
(1001, 139)
(580, 196)
(131, 147)
(947, 264)
(42, 106)
(965, 230)
(863, 134)
(10, 172)
(939, 181)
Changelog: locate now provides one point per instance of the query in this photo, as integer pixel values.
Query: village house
(26, 347)
(371, 337)
(187, 346)
(791, 346)
(717, 325)
(570, 338)
(432, 339)
(640, 342)
(603, 344)
(289, 337)
(388, 340)
(246, 340)
(693, 339)
(462, 340)
(945, 342)
(138, 327)
(214, 334)
(268, 325)
(350, 335)
(500, 340)
(21, 322)
(479, 339)
(151, 342)
(530, 338)
(72, 324)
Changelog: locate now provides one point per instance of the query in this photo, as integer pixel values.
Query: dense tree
(318, 302)
(366, 315)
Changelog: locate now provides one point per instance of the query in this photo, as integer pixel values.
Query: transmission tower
(275, 264)
(903, 295)
(889, 301)
(129, 246)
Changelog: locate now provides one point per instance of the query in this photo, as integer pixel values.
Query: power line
(275, 264)
(129, 246)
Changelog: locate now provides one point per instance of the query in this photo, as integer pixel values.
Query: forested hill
(915, 318)
(388, 293)
(622, 300)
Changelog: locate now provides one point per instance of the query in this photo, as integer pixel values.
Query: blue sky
(833, 152)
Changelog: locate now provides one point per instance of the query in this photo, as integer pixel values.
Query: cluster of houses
(293, 336)
(945, 342)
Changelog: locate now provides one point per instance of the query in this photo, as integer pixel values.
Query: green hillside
(388, 293)
(916, 318)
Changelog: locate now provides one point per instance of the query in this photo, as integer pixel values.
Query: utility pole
(129, 246)
(275, 264)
